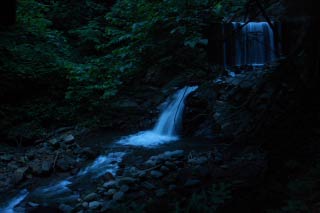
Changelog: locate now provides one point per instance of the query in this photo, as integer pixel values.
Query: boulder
(94, 205)
(110, 184)
(118, 196)
(90, 197)
(192, 182)
(156, 174)
(68, 138)
(126, 181)
(19, 174)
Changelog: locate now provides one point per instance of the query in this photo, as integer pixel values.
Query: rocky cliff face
(229, 106)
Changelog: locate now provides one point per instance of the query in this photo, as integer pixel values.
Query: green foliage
(81, 53)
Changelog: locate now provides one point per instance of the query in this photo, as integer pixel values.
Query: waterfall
(167, 126)
(253, 45)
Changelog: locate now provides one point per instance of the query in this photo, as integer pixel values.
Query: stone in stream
(172, 187)
(161, 192)
(65, 164)
(110, 184)
(166, 156)
(156, 174)
(54, 142)
(106, 206)
(191, 183)
(172, 154)
(148, 185)
(6, 157)
(118, 196)
(170, 164)
(68, 139)
(41, 168)
(87, 152)
(90, 197)
(19, 174)
(198, 161)
(94, 205)
(126, 181)
(65, 208)
(164, 169)
(108, 176)
(124, 188)
(46, 167)
(32, 204)
(110, 192)
(142, 174)
(85, 205)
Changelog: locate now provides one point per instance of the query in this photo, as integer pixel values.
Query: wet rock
(148, 185)
(13, 165)
(161, 192)
(94, 205)
(46, 167)
(142, 174)
(6, 157)
(164, 169)
(110, 184)
(126, 181)
(203, 171)
(108, 177)
(107, 206)
(172, 187)
(85, 205)
(87, 152)
(152, 162)
(191, 183)
(173, 154)
(90, 197)
(54, 142)
(65, 208)
(33, 205)
(68, 139)
(43, 209)
(198, 160)
(156, 174)
(170, 165)
(20, 174)
(110, 192)
(65, 164)
(124, 188)
(118, 196)
(30, 155)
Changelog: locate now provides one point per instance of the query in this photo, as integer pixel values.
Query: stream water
(68, 190)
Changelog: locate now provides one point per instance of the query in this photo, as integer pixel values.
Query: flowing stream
(67, 190)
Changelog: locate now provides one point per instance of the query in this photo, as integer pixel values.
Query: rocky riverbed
(150, 182)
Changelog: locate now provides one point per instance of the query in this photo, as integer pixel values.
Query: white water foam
(9, 208)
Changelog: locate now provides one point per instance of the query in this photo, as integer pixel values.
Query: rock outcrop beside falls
(230, 105)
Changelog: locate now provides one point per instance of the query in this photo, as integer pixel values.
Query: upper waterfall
(255, 44)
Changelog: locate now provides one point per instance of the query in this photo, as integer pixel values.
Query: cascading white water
(254, 45)
(167, 126)
(10, 207)
(61, 191)
(165, 130)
